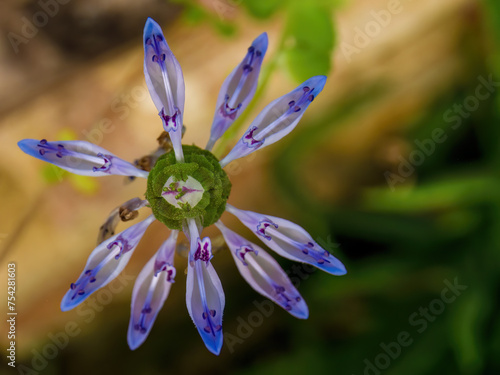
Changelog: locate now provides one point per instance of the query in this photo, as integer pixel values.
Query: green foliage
(310, 36)
(404, 243)
(307, 39)
(264, 8)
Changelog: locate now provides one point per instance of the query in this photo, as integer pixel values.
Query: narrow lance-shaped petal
(238, 89)
(288, 240)
(127, 211)
(165, 82)
(151, 289)
(105, 263)
(264, 274)
(277, 119)
(204, 295)
(80, 157)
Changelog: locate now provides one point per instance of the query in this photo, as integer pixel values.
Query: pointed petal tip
(150, 23)
(335, 268)
(151, 27)
(342, 272)
(134, 341)
(261, 42)
(300, 309)
(300, 314)
(318, 82)
(67, 305)
(28, 146)
(214, 346)
(22, 143)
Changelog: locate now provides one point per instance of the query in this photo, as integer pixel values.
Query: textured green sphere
(204, 167)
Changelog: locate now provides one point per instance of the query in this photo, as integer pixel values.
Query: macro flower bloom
(187, 190)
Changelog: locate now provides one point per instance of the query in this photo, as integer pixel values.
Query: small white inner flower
(180, 193)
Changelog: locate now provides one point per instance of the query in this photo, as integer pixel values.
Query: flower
(187, 189)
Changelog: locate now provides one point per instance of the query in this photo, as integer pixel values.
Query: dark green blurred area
(406, 244)
(403, 246)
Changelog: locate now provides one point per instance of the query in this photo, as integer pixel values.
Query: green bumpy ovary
(203, 167)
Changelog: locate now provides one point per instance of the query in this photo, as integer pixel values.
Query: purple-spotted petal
(204, 294)
(288, 240)
(277, 119)
(80, 157)
(151, 289)
(105, 263)
(238, 89)
(165, 82)
(264, 274)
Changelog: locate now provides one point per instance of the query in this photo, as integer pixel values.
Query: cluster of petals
(205, 298)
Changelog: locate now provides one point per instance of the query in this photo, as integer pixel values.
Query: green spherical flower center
(197, 188)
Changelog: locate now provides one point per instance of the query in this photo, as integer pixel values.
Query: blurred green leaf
(466, 329)
(493, 14)
(309, 40)
(52, 174)
(466, 190)
(225, 28)
(495, 345)
(193, 15)
(424, 355)
(304, 63)
(84, 184)
(264, 8)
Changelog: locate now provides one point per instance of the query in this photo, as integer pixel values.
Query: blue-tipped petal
(80, 157)
(105, 263)
(238, 89)
(205, 303)
(151, 289)
(289, 240)
(204, 294)
(277, 119)
(264, 274)
(165, 82)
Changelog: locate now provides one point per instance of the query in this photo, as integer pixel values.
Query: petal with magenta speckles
(150, 292)
(238, 89)
(277, 119)
(264, 274)
(105, 263)
(80, 157)
(288, 240)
